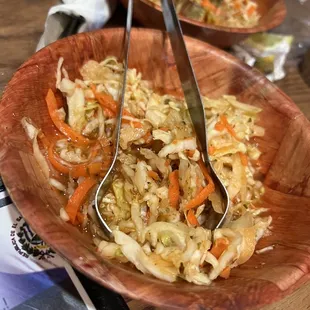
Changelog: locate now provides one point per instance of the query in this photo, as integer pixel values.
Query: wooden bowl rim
(259, 28)
(114, 282)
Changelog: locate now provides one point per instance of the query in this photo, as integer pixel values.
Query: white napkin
(32, 275)
(94, 13)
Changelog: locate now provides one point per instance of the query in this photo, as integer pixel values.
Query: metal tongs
(108, 178)
(194, 103)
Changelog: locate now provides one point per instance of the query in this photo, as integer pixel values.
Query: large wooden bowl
(285, 164)
(272, 15)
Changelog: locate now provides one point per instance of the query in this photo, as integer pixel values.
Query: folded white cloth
(94, 13)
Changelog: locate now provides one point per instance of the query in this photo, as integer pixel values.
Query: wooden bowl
(272, 14)
(285, 165)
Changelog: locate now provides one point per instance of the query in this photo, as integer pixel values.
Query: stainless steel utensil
(194, 102)
(193, 99)
(107, 180)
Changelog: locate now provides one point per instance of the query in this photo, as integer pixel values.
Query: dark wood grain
(272, 14)
(264, 278)
(21, 24)
(295, 86)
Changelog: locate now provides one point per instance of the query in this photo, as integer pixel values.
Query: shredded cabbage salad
(161, 192)
(227, 13)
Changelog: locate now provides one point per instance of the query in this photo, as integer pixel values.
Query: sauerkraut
(227, 13)
(161, 191)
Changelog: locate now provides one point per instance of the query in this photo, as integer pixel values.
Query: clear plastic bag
(297, 24)
(289, 42)
(267, 52)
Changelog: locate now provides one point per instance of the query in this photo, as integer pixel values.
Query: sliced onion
(57, 185)
(40, 158)
(32, 133)
(245, 221)
(216, 201)
(64, 215)
(65, 73)
(101, 122)
(30, 129)
(67, 87)
(258, 131)
(58, 72)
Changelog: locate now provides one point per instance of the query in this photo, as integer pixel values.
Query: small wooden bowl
(264, 278)
(272, 14)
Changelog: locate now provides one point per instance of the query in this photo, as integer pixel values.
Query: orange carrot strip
(243, 158)
(108, 113)
(219, 126)
(76, 170)
(220, 245)
(164, 128)
(229, 128)
(251, 10)
(61, 125)
(211, 150)
(90, 100)
(225, 273)
(201, 197)
(127, 113)
(94, 168)
(152, 174)
(174, 189)
(105, 165)
(192, 218)
(167, 162)
(105, 100)
(207, 4)
(237, 6)
(205, 192)
(78, 198)
(79, 171)
(147, 137)
(205, 172)
(109, 104)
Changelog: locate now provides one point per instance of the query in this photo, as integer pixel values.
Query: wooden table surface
(21, 24)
